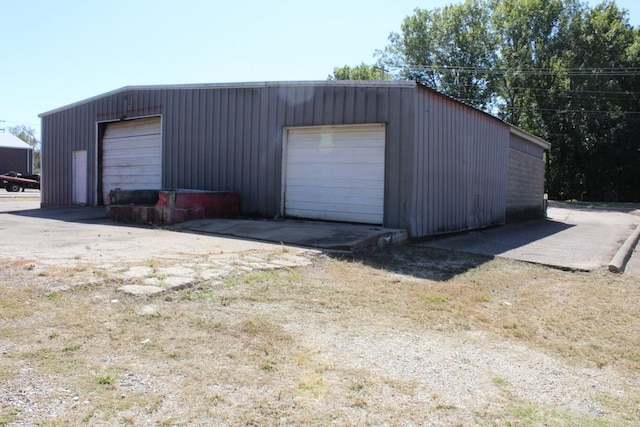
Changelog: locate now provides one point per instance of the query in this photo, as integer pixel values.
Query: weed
(153, 264)
(205, 323)
(105, 379)
(313, 384)
(446, 406)
(499, 381)
(267, 367)
(356, 388)
(72, 347)
(482, 298)
(432, 298)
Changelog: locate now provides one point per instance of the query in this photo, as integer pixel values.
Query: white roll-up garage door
(335, 173)
(132, 155)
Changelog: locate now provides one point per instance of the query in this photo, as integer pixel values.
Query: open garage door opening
(335, 173)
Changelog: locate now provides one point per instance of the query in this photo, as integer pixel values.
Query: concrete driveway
(570, 238)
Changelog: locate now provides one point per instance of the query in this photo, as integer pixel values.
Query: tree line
(560, 69)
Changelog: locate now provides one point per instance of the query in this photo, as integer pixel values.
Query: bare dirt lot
(272, 335)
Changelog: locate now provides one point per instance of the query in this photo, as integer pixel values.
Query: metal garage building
(392, 153)
(15, 154)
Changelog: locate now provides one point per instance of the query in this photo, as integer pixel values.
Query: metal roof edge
(9, 140)
(529, 137)
(239, 85)
(512, 128)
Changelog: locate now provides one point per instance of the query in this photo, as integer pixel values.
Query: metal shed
(393, 153)
(15, 154)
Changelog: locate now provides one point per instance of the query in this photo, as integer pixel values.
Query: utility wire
(609, 71)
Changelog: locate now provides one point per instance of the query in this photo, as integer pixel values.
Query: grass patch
(105, 379)
(72, 347)
(304, 346)
(438, 299)
(266, 278)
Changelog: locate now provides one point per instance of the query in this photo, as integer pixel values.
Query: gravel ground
(344, 341)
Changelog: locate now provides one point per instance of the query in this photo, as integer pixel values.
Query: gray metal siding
(460, 166)
(16, 160)
(226, 138)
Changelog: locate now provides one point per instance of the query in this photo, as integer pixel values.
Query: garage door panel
(336, 173)
(332, 172)
(339, 133)
(136, 144)
(334, 213)
(342, 195)
(128, 162)
(344, 157)
(355, 184)
(132, 155)
(302, 145)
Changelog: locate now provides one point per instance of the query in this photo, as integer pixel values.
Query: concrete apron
(311, 234)
(572, 239)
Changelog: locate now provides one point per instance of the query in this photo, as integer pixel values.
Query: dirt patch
(416, 336)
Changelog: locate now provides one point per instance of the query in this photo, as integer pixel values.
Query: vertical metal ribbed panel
(16, 159)
(460, 166)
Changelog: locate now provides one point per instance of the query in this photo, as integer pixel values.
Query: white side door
(79, 167)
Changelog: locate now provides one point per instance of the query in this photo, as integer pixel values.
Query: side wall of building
(460, 167)
(16, 160)
(230, 138)
(526, 180)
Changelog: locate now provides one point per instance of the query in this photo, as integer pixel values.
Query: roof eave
(364, 83)
(529, 137)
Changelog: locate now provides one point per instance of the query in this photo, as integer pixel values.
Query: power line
(594, 71)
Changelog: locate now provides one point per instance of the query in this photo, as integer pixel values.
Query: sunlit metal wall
(460, 166)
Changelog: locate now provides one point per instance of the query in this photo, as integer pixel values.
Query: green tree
(25, 133)
(359, 72)
(556, 68)
(604, 92)
(451, 50)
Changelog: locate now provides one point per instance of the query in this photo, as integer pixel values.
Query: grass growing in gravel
(300, 346)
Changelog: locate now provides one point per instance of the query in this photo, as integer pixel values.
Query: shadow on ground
(499, 240)
(447, 256)
(418, 261)
(66, 213)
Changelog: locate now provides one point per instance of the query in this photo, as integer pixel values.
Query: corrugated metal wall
(460, 167)
(230, 138)
(16, 160)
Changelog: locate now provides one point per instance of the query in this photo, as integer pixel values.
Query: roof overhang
(8, 140)
(529, 137)
(514, 130)
(241, 85)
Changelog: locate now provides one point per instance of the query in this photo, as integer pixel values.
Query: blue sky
(58, 52)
